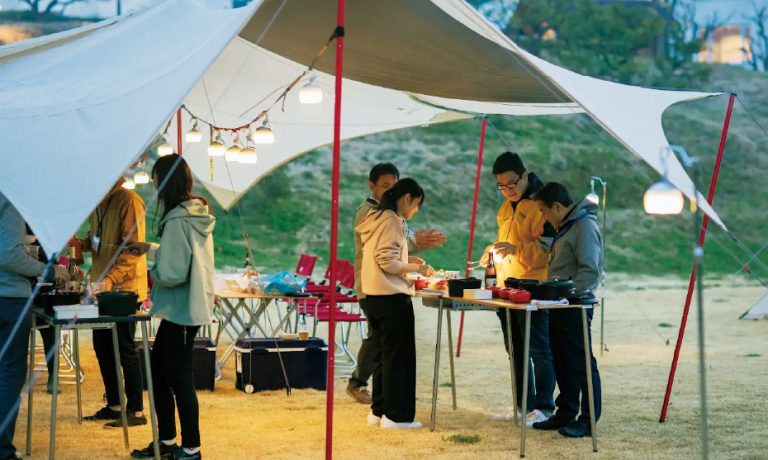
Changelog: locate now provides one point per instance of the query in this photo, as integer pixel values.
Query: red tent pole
(178, 130)
(692, 281)
(334, 229)
(472, 223)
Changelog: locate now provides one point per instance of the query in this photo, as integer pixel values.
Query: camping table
(458, 304)
(75, 325)
(233, 302)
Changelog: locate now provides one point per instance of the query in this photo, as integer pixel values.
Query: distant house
(727, 44)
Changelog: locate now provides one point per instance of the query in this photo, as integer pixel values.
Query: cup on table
(303, 335)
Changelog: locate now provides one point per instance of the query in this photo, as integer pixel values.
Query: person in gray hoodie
(577, 254)
(16, 267)
(182, 295)
(388, 304)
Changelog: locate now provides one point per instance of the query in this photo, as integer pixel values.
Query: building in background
(727, 44)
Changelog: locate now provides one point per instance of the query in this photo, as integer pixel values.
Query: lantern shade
(232, 153)
(216, 149)
(129, 184)
(662, 198)
(263, 135)
(593, 198)
(248, 156)
(164, 149)
(193, 135)
(141, 177)
(311, 93)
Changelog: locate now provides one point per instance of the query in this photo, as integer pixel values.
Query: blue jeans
(541, 376)
(13, 369)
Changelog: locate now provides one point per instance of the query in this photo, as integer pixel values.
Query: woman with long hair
(388, 304)
(182, 296)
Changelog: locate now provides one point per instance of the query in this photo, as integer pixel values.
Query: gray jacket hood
(195, 212)
(577, 251)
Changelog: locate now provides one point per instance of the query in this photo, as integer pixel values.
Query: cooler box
(258, 364)
(203, 363)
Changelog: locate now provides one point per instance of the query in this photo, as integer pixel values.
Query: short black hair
(382, 169)
(508, 161)
(552, 193)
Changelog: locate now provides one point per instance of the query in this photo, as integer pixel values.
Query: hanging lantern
(217, 148)
(141, 177)
(263, 134)
(248, 156)
(129, 184)
(311, 93)
(663, 198)
(232, 154)
(164, 149)
(194, 134)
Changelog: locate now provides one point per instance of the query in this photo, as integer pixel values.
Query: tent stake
(692, 281)
(472, 222)
(334, 229)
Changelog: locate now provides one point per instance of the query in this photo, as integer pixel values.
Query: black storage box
(456, 287)
(203, 363)
(258, 364)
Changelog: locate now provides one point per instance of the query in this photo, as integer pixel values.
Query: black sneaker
(132, 420)
(181, 454)
(577, 429)
(105, 413)
(166, 451)
(555, 422)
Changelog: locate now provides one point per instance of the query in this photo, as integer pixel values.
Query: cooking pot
(531, 286)
(512, 282)
(117, 303)
(456, 287)
(582, 298)
(555, 289)
(51, 298)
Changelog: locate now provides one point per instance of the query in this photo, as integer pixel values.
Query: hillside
(287, 213)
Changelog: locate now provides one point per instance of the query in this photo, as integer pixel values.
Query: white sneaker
(508, 416)
(387, 423)
(536, 416)
(373, 420)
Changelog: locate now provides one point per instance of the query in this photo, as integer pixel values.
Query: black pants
(391, 321)
(567, 339)
(129, 360)
(541, 375)
(49, 341)
(174, 384)
(365, 356)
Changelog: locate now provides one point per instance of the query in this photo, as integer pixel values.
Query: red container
(519, 296)
(420, 284)
(504, 293)
(495, 292)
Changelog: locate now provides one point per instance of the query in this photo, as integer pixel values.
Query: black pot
(583, 298)
(52, 298)
(456, 287)
(118, 303)
(555, 289)
(512, 282)
(531, 286)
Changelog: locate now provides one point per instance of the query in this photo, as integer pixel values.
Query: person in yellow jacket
(118, 219)
(521, 252)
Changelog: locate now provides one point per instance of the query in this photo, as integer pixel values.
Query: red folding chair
(306, 265)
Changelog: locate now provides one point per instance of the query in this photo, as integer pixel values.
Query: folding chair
(306, 265)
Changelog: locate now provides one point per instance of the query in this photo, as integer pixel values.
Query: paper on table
(546, 303)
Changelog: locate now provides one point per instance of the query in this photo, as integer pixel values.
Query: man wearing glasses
(520, 252)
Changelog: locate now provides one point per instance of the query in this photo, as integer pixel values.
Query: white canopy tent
(759, 310)
(86, 102)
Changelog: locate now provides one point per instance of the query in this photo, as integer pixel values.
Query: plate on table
(289, 336)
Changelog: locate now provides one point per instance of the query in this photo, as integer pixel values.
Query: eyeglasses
(509, 185)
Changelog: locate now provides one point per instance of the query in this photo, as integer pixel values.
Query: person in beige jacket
(388, 304)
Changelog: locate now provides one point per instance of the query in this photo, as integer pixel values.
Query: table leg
(588, 362)
(54, 396)
(120, 385)
(511, 362)
(450, 357)
(150, 391)
(30, 374)
(76, 356)
(436, 374)
(526, 365)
